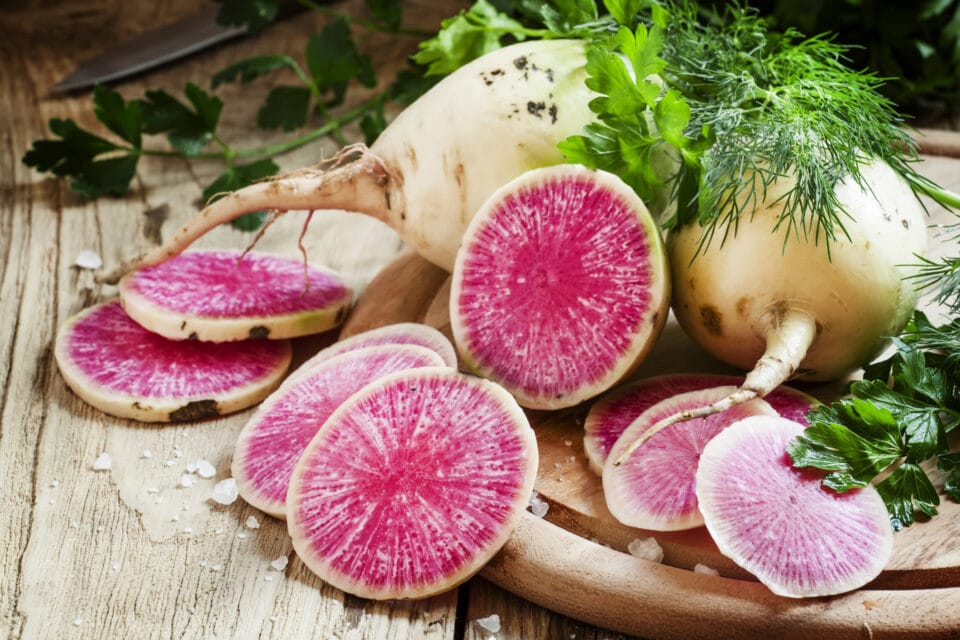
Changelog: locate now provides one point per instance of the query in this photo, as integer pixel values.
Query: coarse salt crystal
(153, 489)
(225, 492)
(538, 506)
(243, 535)
(280, 563)
(54, 484)
(188, 530)
(217, 567)
(702, 568)
(252, 523)
(186, 480)
(491, 623)
(88, 259)
(646, 549)
(74, 524)
(103, 462)
(205, 469)
(146, 454)
(268, 578)
(191, 467)
(77, 622)
(169, 463)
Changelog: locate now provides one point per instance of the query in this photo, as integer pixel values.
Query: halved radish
(412, 485)
(275, 437)
(654, 488)
(398, 333)
(610, 415)
(560, 287)
(122, 369)
(779, 523)
(224, 295)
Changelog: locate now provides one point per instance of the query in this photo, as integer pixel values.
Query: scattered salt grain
(191, 467)
(153, 490)
(116, 566)
(175, 519)
(77, 622)
(169, 463)
(218, 531)
(147, 454)
(186, 480)
(252, 523)
(88, 259)
(54, 484)
(280, 563)
(538, 506)
(702, 568)
(74, 524)
(103, 462)
(225, 492)
(205, 469)
(217, 567)
(188, 530)
(567, 443)
(491, 623)
(243, 535)
(268, 578)
(646, 549)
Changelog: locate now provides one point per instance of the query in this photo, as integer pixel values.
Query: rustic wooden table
(128, 552)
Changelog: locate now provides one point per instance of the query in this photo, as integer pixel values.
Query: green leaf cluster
(100, 165)
(895, 419)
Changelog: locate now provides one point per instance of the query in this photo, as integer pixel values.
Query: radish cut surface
(220, 296)
(779, 523)
(611, 415)
(273, 440)
(654, 487)
(399, 333)
(122, 369)
(412, 485)
(560, 287)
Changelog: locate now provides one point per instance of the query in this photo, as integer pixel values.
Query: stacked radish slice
(730, 472)
(183, 342)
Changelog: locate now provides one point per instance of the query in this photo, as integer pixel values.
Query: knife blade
(151, 49)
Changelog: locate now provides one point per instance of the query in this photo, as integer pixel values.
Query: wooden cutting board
(575, 560)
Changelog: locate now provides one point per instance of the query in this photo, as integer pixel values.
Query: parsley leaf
(333, 60)
(188, 129)
(252, 14)
(285, 107)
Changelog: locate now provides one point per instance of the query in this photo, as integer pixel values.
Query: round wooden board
(574, 561)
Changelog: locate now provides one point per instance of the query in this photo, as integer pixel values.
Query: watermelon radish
(654, 488)
(272, 441)
(412, 485)
(779, 523)
(122, 369)
(398, 333)
(224, 295)
(561, 286)
(610, 415)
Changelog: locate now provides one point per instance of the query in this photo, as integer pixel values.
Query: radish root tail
(789, 334)
(355, 179)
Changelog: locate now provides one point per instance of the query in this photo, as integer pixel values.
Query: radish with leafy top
(431, 169)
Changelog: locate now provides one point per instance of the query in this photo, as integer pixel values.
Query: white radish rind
(438, 161)
(654, 488)
(561, 286)
(398, 333)
(412, 485)
(225, 295)
(119, 367)
(275, 437)
(786, 307)
(612, 414)
(781, 524)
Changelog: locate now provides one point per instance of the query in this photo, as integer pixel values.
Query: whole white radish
(792, 308)
(439, 160)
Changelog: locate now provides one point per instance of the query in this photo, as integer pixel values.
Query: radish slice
(399, 333)
(561, 286)
(780, 523)
(610, 416)
(220, 296)
(412, 485)
(275, 437)
(122, 369)
(654, 488)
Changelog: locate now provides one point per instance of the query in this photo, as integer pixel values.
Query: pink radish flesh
(412, 485)
(122, 369)
(399, 333)
(654, 488)
(780, 523)
(560, 287)
(275, 437)
(228, 295)
(610, 416)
